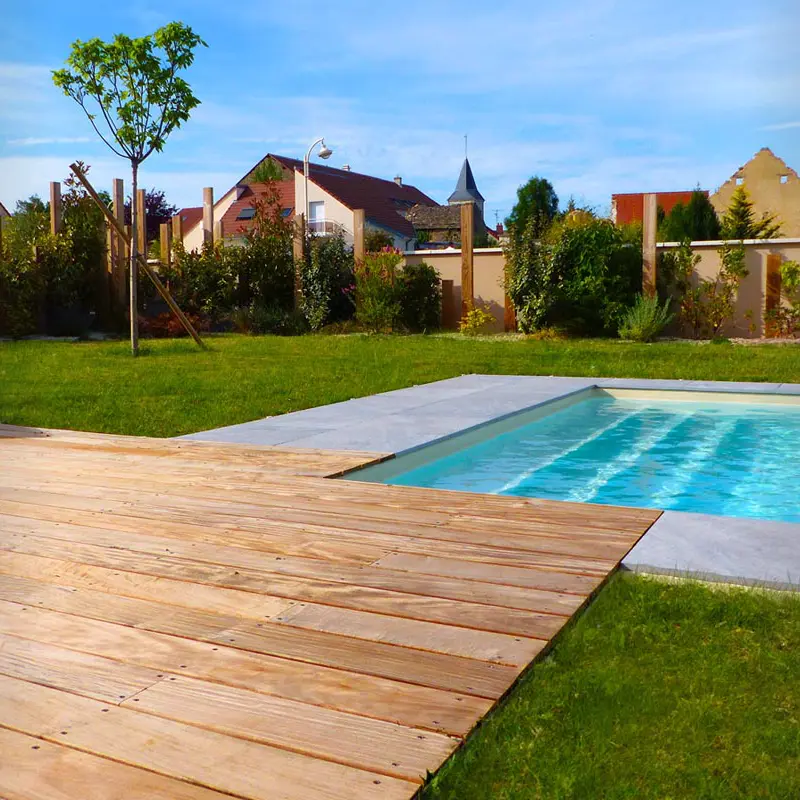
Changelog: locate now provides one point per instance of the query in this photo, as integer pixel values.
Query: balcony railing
(326, 227)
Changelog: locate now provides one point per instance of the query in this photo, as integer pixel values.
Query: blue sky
(596, 95)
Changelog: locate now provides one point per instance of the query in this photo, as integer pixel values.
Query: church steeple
(466, 190)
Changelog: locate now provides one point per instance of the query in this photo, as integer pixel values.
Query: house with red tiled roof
(333, 195)
(190, 216)
(4, 211)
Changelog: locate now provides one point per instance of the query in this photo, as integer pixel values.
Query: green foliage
(134, 85)
(265, 172)
(327, 278)
(537, 205)
(475, 321)
(376, 291)
(258, 319)
(420, 298)
(696, 221)
(646, 320)
(706, 304)
(583, 276)
(258, 273)
(42, 275)
(739, 221)
(377, 239)
(658, 690)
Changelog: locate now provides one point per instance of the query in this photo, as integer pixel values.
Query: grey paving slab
(731, 549)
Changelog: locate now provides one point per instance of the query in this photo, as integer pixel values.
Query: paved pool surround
(735, 550)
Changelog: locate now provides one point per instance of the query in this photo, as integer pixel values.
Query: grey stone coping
(729, 549)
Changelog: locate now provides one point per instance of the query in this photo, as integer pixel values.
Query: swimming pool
(733, 457)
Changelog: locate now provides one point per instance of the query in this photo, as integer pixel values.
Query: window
(246, 213)
(739, 180)
(316, 211)
(286, 212)
(784, 179)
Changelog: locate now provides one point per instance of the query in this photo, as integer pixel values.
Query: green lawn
(174, 388)
(658, 690)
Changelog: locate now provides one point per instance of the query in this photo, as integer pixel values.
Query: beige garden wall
(753, 291)
(490, 264)
(488, 276)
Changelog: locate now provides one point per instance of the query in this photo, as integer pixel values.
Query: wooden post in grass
(467, 257)
(218, 231)
(55, 207)
(509, 315)
(119, 283)
(359, 222)
(141, 257)
(208, 214)
(298, 257)
(649, 225)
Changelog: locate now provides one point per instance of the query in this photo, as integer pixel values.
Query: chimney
(398, 180)
(346, 167)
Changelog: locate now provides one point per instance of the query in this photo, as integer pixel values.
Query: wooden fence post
(467, 257)
(55, 207)
(359, 222)
(509, 315)
(142, 222)
(219, 232)
(772, 295)
(165, 242)
(119, 290)
(299, 255)
(649, 225)
(208, 214)
(177, 228)
(449, 318)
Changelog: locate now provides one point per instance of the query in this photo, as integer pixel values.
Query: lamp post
(325, 153)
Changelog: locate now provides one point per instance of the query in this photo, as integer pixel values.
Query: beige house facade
(773, 186)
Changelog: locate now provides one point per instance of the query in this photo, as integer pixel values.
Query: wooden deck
(186, 620)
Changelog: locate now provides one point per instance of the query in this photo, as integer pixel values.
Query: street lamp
(324, 153)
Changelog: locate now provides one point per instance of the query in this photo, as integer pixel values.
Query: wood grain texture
(185, 619)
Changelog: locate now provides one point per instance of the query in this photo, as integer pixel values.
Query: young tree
(696, 221)
(739, 221)
(135, 86)
(536, 200)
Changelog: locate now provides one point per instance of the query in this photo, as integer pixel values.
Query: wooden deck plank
(176, 750)
(181, 618)
(33, 769)
(82, 673)
(285, 538)
(372, 745)
(379, 698)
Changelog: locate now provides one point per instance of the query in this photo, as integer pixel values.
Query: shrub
(376, 292)
(645, 321)
(582, 275)
(420, 297)
(327, 274)
(475, 321)
(785, 319)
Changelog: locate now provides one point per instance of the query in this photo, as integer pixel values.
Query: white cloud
(782, 126)
(33, 141)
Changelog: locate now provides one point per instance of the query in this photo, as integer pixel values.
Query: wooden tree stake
(55, 207)
(467, 257)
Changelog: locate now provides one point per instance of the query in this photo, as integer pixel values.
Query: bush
(376, 291)
(582, 276)
(645, 321)
(475, 321)
(420, 298)
(327, 277)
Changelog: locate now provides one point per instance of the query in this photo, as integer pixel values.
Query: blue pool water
(731, 458)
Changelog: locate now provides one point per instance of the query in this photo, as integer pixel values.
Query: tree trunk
(134, 267)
